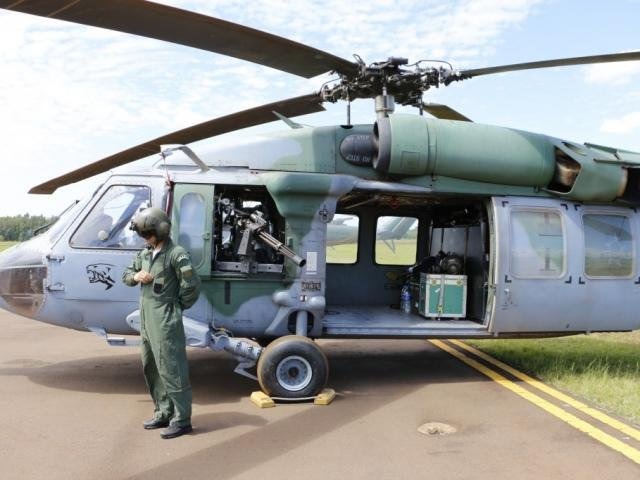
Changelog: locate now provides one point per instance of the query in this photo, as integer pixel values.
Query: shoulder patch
(183, 256)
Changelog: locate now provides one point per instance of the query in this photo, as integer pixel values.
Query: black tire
(292, 367)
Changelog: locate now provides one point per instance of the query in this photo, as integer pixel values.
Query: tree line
(21, 227)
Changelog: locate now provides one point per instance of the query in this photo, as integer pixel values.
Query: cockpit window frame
(80, 225)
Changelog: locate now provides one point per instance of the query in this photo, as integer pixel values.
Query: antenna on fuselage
(166, 150)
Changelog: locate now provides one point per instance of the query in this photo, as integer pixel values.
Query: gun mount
(255, 225)
(246, 225)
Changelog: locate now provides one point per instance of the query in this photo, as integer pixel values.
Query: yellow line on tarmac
(628, 451)
(598, 415)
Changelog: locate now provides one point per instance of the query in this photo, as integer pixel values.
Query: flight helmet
(151, 221)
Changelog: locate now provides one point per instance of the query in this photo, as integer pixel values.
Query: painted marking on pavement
(592, 412)
(577, 423)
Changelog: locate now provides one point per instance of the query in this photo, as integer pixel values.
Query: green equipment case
(442, 296)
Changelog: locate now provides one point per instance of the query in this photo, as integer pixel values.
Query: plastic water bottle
(405, 299)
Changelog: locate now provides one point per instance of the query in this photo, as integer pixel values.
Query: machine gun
(255, 224)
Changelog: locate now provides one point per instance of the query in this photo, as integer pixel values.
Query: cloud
(622, 125)
(71, 94)
(612, 73)
(378, 29)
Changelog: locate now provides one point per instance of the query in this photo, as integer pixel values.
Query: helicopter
(493, 229)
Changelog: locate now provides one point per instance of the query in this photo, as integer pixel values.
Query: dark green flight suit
(175, 287)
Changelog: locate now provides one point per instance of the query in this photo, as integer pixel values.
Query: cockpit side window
(107, 225)
(64, 220)
(192, 219)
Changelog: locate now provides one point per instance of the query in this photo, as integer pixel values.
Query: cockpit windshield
(56, 229)
(107, 225)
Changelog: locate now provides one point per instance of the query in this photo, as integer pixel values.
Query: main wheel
(292, 367)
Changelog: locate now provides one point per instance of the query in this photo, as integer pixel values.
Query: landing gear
(292, 367)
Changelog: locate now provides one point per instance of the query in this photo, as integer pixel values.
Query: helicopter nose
(22, 276)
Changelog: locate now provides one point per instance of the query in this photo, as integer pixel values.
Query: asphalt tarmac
(73, 409)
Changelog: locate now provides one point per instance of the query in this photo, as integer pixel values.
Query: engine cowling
(409, 145)
(412, 145)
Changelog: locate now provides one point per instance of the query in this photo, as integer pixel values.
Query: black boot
(174, 431)
(155, 423)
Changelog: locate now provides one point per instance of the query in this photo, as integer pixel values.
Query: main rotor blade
(444, 112)
(559, 62)
(174, 25)
(254, 116)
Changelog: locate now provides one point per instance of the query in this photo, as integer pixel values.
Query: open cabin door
(537, 275)
(192, 222)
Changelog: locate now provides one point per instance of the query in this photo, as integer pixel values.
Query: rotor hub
(406, 83)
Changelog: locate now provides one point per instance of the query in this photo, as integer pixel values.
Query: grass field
(404, 253)
(5, 245)
(601, 368)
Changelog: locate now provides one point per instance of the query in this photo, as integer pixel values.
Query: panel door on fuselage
(536, 281)
(609, 270)
(101, 246)
(87, 262)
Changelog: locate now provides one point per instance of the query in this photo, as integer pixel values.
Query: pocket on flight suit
(158, 285)
(159, 289)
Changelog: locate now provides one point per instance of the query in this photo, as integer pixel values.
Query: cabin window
(396, 240)
(107, 225)
(192, 218)
(537, 244)
(608, 245)
(342, 239)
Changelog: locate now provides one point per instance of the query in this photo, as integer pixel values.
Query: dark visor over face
(147, 234)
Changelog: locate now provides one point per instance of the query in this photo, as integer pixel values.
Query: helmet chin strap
(156, 244)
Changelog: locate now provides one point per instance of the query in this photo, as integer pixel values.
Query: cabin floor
(388, 322)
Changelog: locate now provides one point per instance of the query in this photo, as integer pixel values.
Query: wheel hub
(294, 373)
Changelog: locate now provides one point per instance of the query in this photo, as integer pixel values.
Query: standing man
(169, 286)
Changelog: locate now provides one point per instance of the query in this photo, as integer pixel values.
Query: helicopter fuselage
(519, 249)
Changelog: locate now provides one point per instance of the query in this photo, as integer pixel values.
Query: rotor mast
(386, 82)
(385, 104)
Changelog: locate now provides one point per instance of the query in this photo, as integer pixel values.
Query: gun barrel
(280, 247)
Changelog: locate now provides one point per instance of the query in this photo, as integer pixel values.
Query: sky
(71, 95)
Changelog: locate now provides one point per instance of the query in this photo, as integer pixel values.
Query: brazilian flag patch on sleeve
(187, 272)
